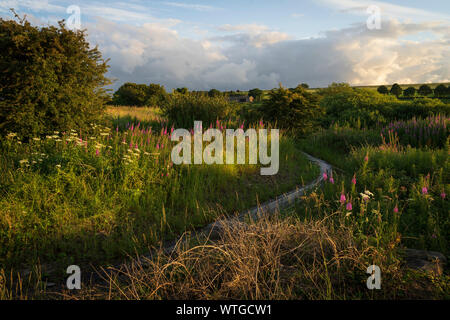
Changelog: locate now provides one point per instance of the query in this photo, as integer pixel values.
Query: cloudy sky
(243, 44)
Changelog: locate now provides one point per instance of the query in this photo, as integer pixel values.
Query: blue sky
(257, 43)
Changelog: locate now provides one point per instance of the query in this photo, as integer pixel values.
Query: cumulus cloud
(259, 57)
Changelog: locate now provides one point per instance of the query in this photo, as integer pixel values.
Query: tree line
(424, 90)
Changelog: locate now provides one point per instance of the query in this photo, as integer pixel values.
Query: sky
(231, 44)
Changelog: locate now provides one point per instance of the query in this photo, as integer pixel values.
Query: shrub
(425, 90)
(132, 94)
(356, 107)
(256, 94)
(296, 109)
(410, 92)
(183, 109)
(440, 91)
(51, 79)
(396, 90)
(214, 93)
(383, 90)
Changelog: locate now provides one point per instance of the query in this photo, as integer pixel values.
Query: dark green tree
(50, 78)
(383, 90)
(396, 90)
(304, 85)
(214, 93)
(256, 94)
(440, 90)
(156, 94)
(410, 92)
(425, 90)
(131, 94)
(295, 109)
(183, 90)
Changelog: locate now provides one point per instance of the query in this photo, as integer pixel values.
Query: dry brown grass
(272, 258)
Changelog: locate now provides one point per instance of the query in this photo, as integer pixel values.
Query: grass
(388, 192)
(81, 198)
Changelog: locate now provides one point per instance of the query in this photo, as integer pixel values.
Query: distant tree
(183, 90)
(410, 92)
(256, 94)
(396, 90)
(440, 91)
(335, 88)
(383, 90)
(156, 94)
(297, 109)
(214, 93)
(304, 85)
(425, 90)
(50, 78)
(131, 94)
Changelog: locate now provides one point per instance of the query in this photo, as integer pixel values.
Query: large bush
(183, 109)
(132, 94)
(295, 109)
(356, 107)
(51, 79)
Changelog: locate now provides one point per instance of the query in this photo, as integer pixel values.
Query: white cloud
(156, 53)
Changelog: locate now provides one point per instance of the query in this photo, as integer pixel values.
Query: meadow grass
(384, 196)
(93, 197)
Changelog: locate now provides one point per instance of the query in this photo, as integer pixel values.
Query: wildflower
(364, 196)
(366, 158)
(58, 166)
(349, 206)
(342, 200)
(331, 180)
(354, 180)
(325, 177)
(37, 139)
(368, 193)
(424, 190)
(97, 153)
(396, 209)
(443, 195)
(23, 161)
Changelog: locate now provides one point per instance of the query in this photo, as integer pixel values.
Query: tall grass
(90, 197)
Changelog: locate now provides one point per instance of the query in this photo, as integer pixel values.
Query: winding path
(214, 229)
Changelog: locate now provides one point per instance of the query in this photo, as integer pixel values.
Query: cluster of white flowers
(366, 195)
(13, 135)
